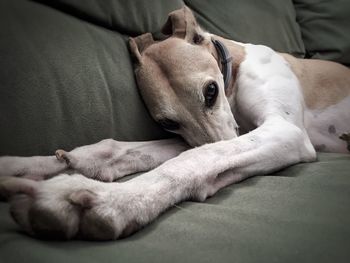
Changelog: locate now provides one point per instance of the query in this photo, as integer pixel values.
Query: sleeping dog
(242, 110)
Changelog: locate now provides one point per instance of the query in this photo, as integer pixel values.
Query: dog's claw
(62, 156)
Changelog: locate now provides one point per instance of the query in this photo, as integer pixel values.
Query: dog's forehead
(176, 64)
(176, 56)
(172, 49)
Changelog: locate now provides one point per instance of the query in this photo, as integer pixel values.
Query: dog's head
(181, 83)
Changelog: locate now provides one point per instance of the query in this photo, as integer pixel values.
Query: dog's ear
(139, 44)
(83, 198)
(181, 23)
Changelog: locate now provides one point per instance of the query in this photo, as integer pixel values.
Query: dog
(242, 110)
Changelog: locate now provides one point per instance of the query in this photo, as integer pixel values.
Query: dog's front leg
(113, 210)
(106, 160)
(109, 160)
(35, 167)
(200, 172)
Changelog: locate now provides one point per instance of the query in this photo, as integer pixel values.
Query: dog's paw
(42, 208)
(10, 186)
(89, 160)
(63, 156)
(72, 206)
(104, 161)
(35, 168)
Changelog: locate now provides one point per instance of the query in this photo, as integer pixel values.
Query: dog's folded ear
(139, 44)
(181, 23)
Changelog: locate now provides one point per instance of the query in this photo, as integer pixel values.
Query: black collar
(226, 61)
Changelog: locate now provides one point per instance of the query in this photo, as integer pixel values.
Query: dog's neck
(238, 54)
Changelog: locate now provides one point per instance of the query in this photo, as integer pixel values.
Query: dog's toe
(63, 156)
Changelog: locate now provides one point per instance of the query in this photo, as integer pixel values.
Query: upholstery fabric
(64, 83)
(325, 27)
(127, 17)
(268, 22)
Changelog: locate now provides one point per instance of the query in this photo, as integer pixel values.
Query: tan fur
(169, 94)
(140, 43)
(324, 83)
(181, 23)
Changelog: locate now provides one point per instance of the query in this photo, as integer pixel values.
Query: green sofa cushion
(269, 22)
(300, 214)
(127, 17)
(64, 83)
(325, 27)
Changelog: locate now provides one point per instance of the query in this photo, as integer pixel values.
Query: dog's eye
(210, 94)
(168, 124)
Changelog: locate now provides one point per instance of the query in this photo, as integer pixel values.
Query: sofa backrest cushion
(64, 83)
(127, 17)
(269, 22)
(325, 27)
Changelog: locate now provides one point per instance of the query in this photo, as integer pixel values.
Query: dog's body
(284, 108)
(326, 92)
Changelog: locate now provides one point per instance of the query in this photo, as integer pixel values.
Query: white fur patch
(326, 125)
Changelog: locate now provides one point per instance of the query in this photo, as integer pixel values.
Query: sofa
(67, 80)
